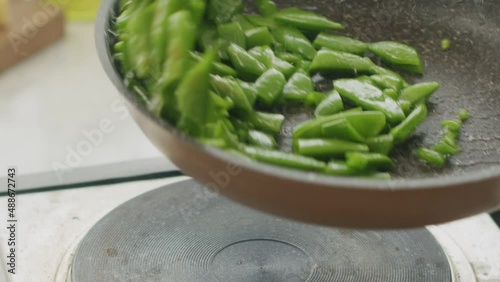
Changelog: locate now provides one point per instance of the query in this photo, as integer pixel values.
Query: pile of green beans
(219, 75)
(448, 145)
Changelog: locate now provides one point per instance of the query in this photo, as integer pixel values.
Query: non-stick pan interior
(469, 72)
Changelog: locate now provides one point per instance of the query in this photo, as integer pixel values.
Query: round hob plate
(185, 233)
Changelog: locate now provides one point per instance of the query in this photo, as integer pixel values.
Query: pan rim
(399, 184)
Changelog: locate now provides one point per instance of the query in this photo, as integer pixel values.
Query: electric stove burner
(183, 233)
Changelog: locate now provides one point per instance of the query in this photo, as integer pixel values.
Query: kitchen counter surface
(53, 101)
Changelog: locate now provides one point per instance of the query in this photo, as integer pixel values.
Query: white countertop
(48, 100)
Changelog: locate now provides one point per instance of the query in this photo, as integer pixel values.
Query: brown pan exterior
(334, 203)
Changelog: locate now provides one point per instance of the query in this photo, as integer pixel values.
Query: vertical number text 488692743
(11, 220)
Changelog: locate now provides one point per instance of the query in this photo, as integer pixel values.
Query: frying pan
(419, 195)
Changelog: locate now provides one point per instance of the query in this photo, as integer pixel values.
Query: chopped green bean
(388, 82)
(233, 33)
(259, 36)
(267, 122)
(284, 67)
(262, 21)
(327, 148)
(244, 63)
(266, 55)
(402, 132)
(445, 44)
(340, 43)
(230, 88)
(159, 35)
(304, 65)
(450, 138)
(329, 61)
(453, 125)
(445, 148)
(382, 144)
(314, 98)
(138, 43)
(181, 32)
(266, 7)
(269, 86)
(261, 139)
(340, 168)
(368, 124)
(294, 41)
(369, 97)
(305, 20)
(341, 129)
(250, 91)
(406, 106)
(389, 73)
(222, 11)
(419, 92)
(398, 54)
(431, 157)
(369, 161)
(288, 57)
(298, 87)
(244, 22)
(218, 68)
(198, 8)
(463, 114)
(225, 131)
(391, 93)
(366, 79)
(193, 98)
(285, 159)
(331, 105)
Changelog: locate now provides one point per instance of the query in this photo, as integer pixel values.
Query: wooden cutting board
(32, 26)
(4, 16)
